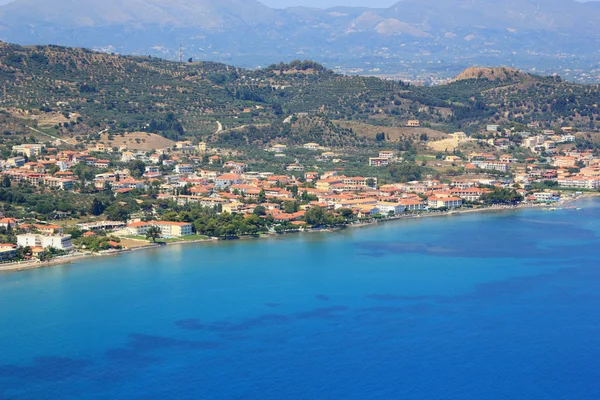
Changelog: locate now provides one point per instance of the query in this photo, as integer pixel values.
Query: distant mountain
(438, 36)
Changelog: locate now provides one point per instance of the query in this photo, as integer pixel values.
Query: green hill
(73, 92)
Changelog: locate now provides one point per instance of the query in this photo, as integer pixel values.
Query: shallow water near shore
(477, 306)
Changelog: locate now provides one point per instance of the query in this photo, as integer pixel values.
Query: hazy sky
(333, 3)
(314, 3)
(328, 3)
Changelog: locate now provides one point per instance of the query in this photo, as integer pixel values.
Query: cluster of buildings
(38, 237)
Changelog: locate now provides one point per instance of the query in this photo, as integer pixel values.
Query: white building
(184, 169)
(378, 162)
(31, 149)
(312, 146)
(543, 196)
(448, 202)
(167, 228)
(60, 242)
(389, 207)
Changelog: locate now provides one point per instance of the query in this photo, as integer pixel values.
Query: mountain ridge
(453, 33)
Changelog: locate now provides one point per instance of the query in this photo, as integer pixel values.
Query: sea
(497, 305)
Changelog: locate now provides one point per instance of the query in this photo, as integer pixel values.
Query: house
(226, 180)
(543, 196)
(152, 171)
(386, 154)
(414, 204)
(459, 136)
(564, 162)
(311, 146)
(492, 128)
(102, 164)
(469, 194)
(311, 176)
(8, 251)
(447, 202)
(185, 146)
(48, 229)
(295, 167)
(167, 228)
(184, 169)
(378, 162)
(16, 161)
(8, 223)
(580, 182)
(155, 158)
(29, 150)
(413, 123)
(209, 175)
(360, 181)
(452, 159)
(278, 148)
(235, 167)
(214, 160)
(390, 208)
(174, 229)
(127, 156)
(507, 158)
(491, 165)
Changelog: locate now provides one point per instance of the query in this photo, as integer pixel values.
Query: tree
(136, 168)
(117, 213)
(346, 213)
(315, 216)
(97, 208)
(260, 210)
(502, 196)
(262, 196)
(290, 206)
(6, 181)
(153, 233)
(406, 172)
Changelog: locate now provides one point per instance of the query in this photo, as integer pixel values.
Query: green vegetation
(501, 196)
(94, 91)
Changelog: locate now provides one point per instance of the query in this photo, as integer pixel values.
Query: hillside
(73, 93)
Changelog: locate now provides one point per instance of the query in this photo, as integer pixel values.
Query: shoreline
(74, 258)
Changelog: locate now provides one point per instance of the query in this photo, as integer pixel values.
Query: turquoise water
(486, 306)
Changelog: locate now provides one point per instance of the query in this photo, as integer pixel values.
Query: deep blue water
(487, 306)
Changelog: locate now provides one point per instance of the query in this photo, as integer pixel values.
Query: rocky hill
(493, 74)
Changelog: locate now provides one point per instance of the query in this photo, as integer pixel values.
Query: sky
(333, 3)
(314, 3)
(328, 3)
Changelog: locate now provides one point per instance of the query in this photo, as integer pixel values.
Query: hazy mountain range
(413, 34)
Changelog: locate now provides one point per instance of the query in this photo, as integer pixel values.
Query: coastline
(73, 258)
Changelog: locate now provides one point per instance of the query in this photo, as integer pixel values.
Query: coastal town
(190, 192)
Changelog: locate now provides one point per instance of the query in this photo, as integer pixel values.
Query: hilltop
(493, 74)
